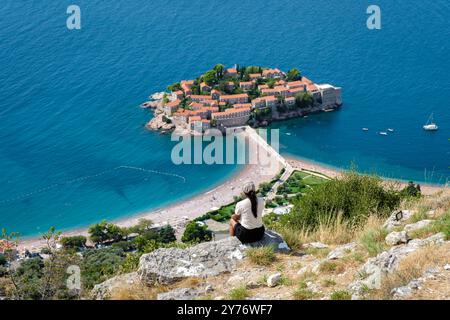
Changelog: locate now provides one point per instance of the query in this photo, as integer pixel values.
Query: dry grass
(136, 292)
(331, 231)
(372, 235)
(412, 267)
(261, 256)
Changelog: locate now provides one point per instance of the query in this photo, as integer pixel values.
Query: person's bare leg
(232, 224)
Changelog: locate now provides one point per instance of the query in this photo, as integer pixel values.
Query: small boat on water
(383, 133)
(391, 130)
(430, 125)
(288, 133)
(365, 129)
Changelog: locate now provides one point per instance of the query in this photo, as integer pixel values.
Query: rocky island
(223, 98)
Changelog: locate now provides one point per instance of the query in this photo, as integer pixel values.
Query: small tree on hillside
(196, 232)
(105, 232)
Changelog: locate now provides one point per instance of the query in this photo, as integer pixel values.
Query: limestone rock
(418, 225)
(376, 268)
(395, 238)
(316, 245)
(103, 290)
(341, 251)
(202, 260)
(274, 279)
(180, 294)
(272, 239)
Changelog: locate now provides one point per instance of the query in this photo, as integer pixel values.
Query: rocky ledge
(169, 265)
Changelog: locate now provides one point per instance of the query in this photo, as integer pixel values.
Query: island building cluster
(233, 97)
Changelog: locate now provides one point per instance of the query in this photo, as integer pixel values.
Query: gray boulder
(394, 238)
(271, 239)
(274, 279)
(418, 225)
(180, 294)
(342, 251)
(102, 291)
(202, 260)
(396, 218)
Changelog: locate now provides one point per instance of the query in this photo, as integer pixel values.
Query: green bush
(195, 232)
(105, 232)
(166, 234)
(74, 242)
(3, 260)
(354, 196)
(262, 256)
(101, 264)
(239, 293)
(341, 295)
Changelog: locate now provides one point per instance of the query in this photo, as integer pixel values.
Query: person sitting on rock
(246, 222)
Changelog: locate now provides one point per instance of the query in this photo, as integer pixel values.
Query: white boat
(383, 133)
(288, 133)
(430, 125)
(391, 130)
(365, 129)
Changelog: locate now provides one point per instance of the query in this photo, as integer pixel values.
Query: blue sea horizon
(71, 121)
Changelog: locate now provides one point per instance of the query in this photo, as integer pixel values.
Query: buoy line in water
(84, 178)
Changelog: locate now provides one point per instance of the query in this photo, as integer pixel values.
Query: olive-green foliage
(262, 256)
(354, 196)
(340, 295)
(74, 242)
(100, 264)
(105, 232)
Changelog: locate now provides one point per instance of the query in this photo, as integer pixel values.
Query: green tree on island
(174, 87)
(209, 77)
(219, 69)
(304, 100)
(293, 75)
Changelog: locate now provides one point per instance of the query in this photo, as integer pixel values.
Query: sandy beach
(223, 194)
(180, 212)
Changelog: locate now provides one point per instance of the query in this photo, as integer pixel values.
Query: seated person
(246, 223)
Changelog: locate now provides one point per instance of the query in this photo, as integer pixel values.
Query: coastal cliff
(404, 256)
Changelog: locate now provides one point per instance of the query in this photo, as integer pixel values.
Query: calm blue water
(69, 99)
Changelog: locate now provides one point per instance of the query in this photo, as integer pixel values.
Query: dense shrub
(105, 232)
(166, 234)
(354, 196)
(196, 232)
(74, 242)
(100, 264)
(2, 260)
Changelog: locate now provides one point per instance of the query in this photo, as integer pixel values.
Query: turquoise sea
(73, 149)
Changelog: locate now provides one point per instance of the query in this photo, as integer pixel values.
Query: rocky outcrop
(341, 251)
(272, 239)
(203, 260)
(375, 269)
(158, 123)
(396, 218)
(103, 290)
(418, 225)
(414, 285)
(181, 294)
(394, 238)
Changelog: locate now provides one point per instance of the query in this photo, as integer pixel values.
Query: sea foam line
(84, 178)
